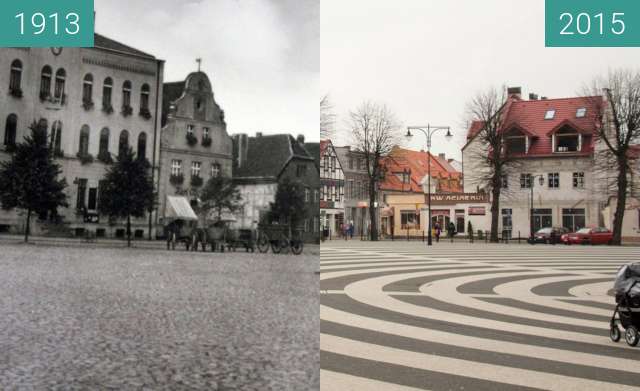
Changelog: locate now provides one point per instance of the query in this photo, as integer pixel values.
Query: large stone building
(194, 145)
(95, 101)
(553, 144)
(264, 161)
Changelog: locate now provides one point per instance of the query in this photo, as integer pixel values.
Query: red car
(598, 235)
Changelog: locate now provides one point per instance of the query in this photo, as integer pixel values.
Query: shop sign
(454, 198)
(477, 211)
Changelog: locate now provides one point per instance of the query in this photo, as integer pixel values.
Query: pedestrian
(438, 230)
(451, 230)
(351, 229)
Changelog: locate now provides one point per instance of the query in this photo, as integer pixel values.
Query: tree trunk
(128, 231)
(495, 213)
(373, 226)
(28, 226)
(621, 202)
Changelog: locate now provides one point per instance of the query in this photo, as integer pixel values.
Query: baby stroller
(627, 312)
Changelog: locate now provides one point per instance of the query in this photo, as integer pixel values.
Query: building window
(83, 148)
(215, 170)
(333, 163)
(322, 192)
(578, 180)
(315, 195)
(554, 180)
(144, 97)
(104, 142)
(106, 94)
(126, 94)
(82, 191)
(205, 133)
(142, 146)
(409, 219)
(15, 80)
(58, 92)
(504, 181)
(516, 144)
(176, 167)
(307, 195)
(195, 169)
(306, 225)
(550, 114)
(10, 128)
(123, 142)
(87, 89)
(581, 112)
(542, 218)
(525, 181)
(301, 170)
(567, 140)
(45, 82)
(573, 219)
(190, 128)
(56, 137)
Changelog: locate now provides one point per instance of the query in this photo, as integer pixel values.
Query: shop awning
(178, 208)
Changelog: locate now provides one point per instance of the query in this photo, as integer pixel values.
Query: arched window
(84, 141)
(144, 97)
(45, 82)
(104, 142)
(142, 146)
(87, 89)
(16, 76)
(106, 94)
(10, 130)
(126, 94)
(58, 92)
(123, 143)
(56, 137)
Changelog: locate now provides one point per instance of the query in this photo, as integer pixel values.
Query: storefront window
(573, 219)
(409, 219)
(542, 218)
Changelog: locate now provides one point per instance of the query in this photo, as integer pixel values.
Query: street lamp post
(541, 179)
(428, 131)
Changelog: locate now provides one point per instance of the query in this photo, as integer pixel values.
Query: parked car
(597, 235)
(549, 234)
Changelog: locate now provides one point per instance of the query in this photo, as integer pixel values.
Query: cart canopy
(627, 276)
(178, 208)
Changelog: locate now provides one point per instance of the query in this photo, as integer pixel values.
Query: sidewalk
(309, 248)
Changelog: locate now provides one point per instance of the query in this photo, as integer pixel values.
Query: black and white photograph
(159, 193)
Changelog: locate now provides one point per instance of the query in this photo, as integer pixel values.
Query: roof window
(550, 114)
(581, 112)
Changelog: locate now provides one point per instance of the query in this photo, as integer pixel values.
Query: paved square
(396, 315)
(100, 318)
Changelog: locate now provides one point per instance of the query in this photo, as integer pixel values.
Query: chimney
(240, 149)
(515, 92)
(533, 96)
(543, 98)
(300, 139)
(442, 156)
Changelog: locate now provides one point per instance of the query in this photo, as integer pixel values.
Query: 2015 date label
(46, 23)
(592, 23)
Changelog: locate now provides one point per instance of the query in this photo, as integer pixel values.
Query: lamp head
(541, 180)
(448, 136)
(408, 136)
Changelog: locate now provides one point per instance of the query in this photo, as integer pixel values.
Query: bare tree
(489, 158)
(327, 118)
(374, 131)
(617, 99)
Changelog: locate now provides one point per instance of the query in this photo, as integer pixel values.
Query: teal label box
(592, 23)
(46, 23)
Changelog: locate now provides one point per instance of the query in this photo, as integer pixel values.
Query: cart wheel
(614, 333)
(296, 247)
(631, 336)
(263, 245)
(275, 246)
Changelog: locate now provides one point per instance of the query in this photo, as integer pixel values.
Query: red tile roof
(528, 116)
(400, 159)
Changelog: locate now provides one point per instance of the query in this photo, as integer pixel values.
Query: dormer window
(581, 112)
(567, 140)
(550, 114)
(516, 144)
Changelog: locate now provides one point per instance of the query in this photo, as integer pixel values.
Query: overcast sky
(262, 56)
(425, 58)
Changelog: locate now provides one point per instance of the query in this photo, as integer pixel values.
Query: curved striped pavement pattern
(398, 316)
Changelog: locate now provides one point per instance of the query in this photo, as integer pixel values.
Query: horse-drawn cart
(280, 238)
(180, 222)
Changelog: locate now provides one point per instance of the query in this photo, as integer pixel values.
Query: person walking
(438, 231)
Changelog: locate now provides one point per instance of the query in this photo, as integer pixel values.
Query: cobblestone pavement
(99, 318)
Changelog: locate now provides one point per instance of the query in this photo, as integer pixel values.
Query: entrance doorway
(542, 218)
